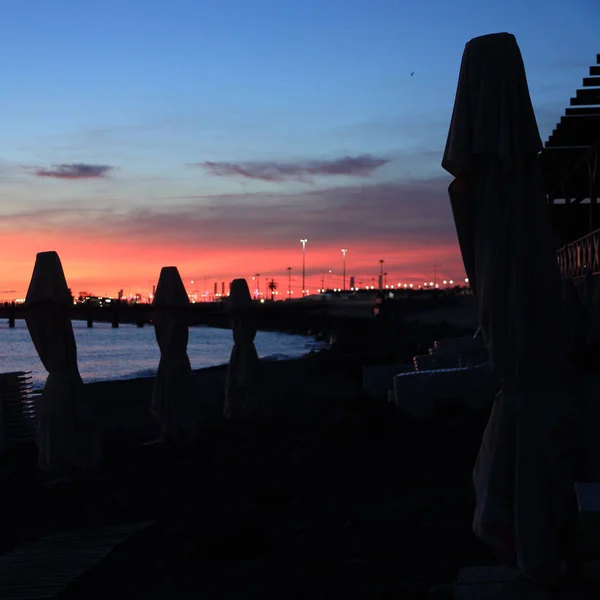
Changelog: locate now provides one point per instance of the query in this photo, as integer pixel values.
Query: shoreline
(147, 375)
(102, 357)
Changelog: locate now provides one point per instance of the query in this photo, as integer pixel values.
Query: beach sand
(336, 495)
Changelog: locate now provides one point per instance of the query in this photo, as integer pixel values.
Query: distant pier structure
(570, 162)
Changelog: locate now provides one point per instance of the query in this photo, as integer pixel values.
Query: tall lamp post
(289, 270)
(344, 250)
(303, 242)
(435, 268)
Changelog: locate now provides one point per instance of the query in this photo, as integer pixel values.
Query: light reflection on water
(128, 351)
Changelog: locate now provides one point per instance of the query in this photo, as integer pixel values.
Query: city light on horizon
(104, 273)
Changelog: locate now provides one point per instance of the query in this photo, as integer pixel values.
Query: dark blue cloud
(75, 171)
(354, 166)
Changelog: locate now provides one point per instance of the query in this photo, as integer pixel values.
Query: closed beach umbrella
(173, 401)
(67, 437)
(523, 476)
(242, 372)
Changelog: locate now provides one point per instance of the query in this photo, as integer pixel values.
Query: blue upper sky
(157, 89)
(190, 80)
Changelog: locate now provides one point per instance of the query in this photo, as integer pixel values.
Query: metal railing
(581, 256)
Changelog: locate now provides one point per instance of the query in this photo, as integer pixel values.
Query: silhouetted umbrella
(67, 437)
(522, 478)
(242, 372)
(173, 402)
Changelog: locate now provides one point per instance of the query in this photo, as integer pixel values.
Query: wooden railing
(581, 256)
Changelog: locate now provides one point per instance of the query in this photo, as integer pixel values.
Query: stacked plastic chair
(19, 417)
(455, 374)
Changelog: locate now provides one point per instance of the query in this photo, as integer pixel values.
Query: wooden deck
(44, 568)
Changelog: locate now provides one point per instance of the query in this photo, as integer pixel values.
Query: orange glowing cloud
(215, 239)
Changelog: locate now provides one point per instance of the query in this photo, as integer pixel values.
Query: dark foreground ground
(338, 496)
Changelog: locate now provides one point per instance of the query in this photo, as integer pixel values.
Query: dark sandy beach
(337, 494)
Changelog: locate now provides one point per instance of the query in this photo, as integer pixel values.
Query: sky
(213, 136)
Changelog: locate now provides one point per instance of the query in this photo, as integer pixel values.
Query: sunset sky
(215, 135)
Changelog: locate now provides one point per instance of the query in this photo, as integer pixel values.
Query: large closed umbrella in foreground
(242, 372)
(67, 437)
(523, 477)
(173, 401)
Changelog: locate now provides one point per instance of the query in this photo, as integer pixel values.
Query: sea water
(128, 351)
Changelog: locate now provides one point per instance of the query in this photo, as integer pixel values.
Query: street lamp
(435, 268)
(303, 242)
(289, 270)
(344, 250)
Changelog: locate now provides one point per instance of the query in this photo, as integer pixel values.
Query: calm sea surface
(127, 352)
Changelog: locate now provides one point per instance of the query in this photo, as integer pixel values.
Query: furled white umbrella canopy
(67, 436)
(173, 400)
(243, 370)
(523, 477)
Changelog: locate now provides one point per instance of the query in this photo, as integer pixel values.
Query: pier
(327, 317)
